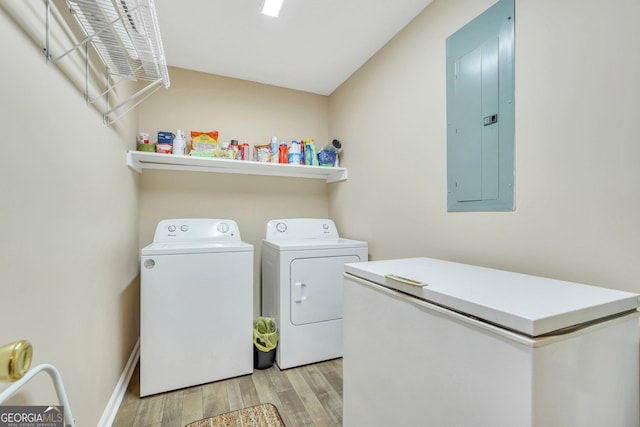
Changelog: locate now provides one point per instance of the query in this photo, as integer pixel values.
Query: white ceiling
(314, 46)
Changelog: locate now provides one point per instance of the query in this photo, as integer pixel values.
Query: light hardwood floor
(305, 396)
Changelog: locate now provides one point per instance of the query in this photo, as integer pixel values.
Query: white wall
(69, 215)
(577, 146)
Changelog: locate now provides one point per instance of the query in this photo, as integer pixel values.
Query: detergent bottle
(179, 144)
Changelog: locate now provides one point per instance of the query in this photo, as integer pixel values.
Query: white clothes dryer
(302, 287)
(196, 305)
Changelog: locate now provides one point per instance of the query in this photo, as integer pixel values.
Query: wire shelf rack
(126, 36)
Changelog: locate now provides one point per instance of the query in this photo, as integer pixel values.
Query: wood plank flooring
(307, 396)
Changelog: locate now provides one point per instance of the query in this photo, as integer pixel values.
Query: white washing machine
(302, 287)
(196, 305)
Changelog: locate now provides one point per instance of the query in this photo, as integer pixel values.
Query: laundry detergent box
(165, 137)
(204, 143)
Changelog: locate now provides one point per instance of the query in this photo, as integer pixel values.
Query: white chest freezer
(438, 343)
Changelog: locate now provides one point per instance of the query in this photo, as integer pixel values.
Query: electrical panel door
(480, 112)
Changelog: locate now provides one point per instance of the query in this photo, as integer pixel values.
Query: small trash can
(265, 341)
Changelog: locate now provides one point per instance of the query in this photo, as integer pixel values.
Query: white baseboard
(110, 412)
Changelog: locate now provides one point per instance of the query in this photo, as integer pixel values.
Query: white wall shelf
(139, 160)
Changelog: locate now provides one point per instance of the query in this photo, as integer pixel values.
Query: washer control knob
(223, 227)
(281, 227)
(325, 226)
(184, 227)
(171, 228)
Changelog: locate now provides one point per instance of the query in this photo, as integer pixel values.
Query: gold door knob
(15, 360)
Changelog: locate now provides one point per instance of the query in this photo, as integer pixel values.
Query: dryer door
(317, 288)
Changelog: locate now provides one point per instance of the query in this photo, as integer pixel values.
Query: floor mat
(265, 415)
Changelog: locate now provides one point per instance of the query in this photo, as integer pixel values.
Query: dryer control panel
(196, 230)
(301, 228)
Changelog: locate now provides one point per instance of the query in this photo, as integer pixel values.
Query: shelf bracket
(131, 99)
(134, 164)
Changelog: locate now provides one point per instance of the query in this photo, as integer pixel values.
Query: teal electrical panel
(480, 112)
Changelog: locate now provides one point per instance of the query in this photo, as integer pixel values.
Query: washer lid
(313, 244)
(528, 304)
(174, 248)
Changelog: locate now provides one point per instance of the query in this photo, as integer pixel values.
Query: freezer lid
(528, 304)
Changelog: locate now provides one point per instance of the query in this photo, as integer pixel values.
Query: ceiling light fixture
(272, 7)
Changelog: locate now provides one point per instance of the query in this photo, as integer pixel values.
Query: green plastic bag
(265, 333)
